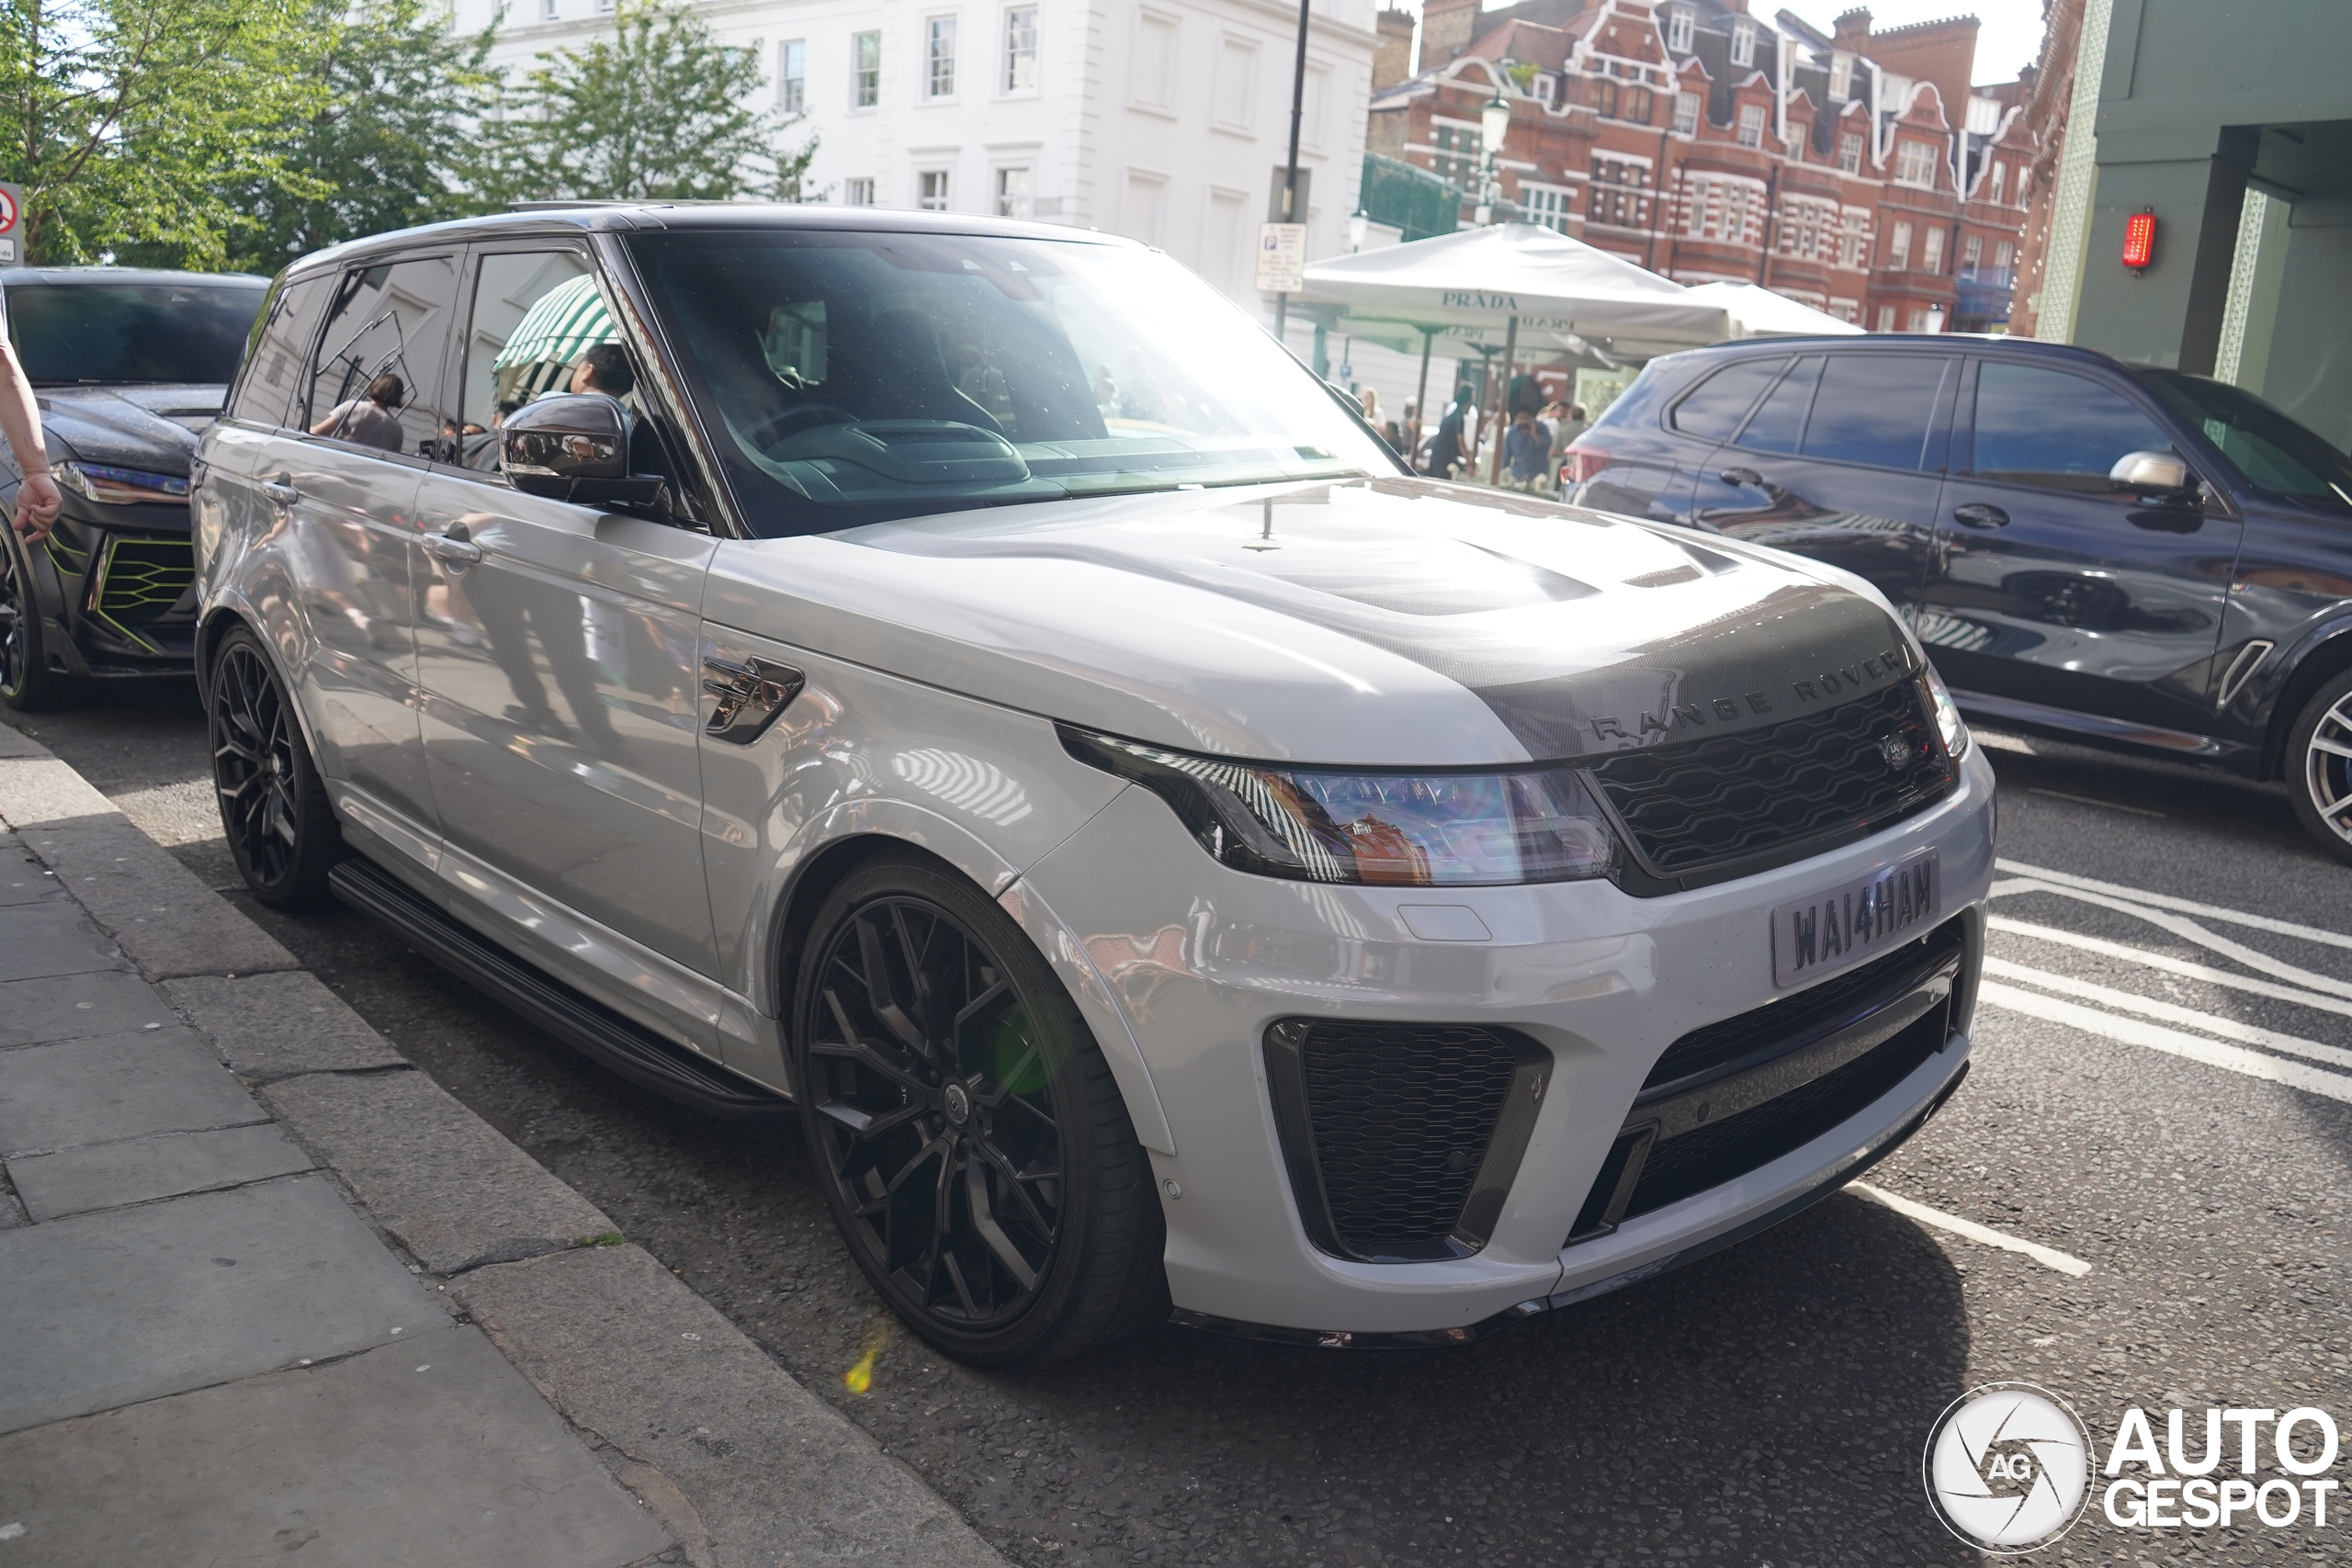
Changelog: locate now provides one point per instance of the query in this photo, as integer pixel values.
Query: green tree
(659, 111)
(392, 135)
(130, 122)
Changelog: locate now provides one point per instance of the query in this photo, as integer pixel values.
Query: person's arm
(37, 500)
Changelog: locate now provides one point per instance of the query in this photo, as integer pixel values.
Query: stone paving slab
(136, 1304)
(430, 1171)
(359, 1464)
(777, 1476)
(22, 878)
(74, 1006)
(77, 1181)
(121, 1086)
(39, 940)
(167, 919)
(271, 1026)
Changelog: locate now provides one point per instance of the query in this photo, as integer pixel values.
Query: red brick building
(1857, 172)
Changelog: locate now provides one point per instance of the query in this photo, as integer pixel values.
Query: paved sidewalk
(264, 1289)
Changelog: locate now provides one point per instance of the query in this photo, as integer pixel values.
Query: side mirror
(573, 448)
(2151, 472)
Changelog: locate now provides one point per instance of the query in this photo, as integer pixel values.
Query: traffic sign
(12, 208)
(1282, 258)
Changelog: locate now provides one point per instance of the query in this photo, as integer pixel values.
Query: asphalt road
(1766, 1406)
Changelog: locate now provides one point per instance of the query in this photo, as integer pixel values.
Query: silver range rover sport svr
(960, 689)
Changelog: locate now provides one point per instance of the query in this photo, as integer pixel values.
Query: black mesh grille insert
(1681, 1167)
(1400, 1117)
(1702, 803)
(144, 577)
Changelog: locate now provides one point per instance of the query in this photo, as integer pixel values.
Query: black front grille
(1394, 1133)
(143, 580)
(1732, 1095)
(1805, 783)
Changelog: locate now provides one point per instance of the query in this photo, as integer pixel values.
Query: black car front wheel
(965, 1130)
(280, 824)
(26, 682)
(2319, 765)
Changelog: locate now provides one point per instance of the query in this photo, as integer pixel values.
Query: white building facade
(1164, 121)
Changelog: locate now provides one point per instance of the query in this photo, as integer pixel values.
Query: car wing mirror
(574, 446)
(2153, 473)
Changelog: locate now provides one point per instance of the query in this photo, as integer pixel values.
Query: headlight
(1947, 720)
(119, 487)
(1537, 823)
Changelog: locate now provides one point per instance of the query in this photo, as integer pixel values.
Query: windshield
(93, 334)
(2270, 451)
(859, 377)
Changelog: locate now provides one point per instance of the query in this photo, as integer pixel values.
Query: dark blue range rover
(128, 368)
(2128, 557)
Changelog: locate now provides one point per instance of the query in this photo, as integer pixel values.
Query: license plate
(1832, 931)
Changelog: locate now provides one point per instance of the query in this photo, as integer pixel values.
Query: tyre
(26, 682)
(2319, 765)
(976, 1152)
(281, 826)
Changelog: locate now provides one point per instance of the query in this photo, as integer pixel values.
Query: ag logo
(2008, 1467)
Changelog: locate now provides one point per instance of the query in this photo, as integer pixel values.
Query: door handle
(279, 492)
(1977, 514)
(453, 548)
(1741, 477)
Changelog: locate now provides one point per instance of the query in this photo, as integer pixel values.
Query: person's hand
(38, 503)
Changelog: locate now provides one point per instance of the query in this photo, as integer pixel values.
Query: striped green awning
(568, 319)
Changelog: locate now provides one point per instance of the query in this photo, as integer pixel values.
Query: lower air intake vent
(1402, 1139)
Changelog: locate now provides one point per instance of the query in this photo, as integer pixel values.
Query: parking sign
(1282, 258)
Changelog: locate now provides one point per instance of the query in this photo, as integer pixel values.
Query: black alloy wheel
(2319, 765)
(965, 1130)
(280, 824)
(26, 682)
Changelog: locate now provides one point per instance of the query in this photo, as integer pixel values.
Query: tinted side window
(1716, 409)
(281, 346)
(1876, 409)
(377, 377)
(2056, 431)
(536, 316)
(1779, 424)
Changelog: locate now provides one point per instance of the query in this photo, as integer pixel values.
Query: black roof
(551, 219)
(1998, 343)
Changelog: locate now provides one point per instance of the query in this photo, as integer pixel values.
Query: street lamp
(1494, 124)
(1358, 224)
(1934, 318)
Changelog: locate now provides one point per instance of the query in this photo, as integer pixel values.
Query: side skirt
(615, 1042)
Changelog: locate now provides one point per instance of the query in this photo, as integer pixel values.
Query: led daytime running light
(119, 487)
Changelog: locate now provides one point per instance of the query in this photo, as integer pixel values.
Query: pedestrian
(1370, 401)
(37, 498)
(372, 421)
(1446, 452)
(1526, 451)
(1411, 431)
(1572, 423)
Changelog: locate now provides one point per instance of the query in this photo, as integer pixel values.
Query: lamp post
(1494, 124)
(1358, 224)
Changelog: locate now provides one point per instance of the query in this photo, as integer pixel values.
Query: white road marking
(2181, 926)
(2167, 962)
(2169, 1013)
(2048, 1257)
(2089, 800)
(2173, 1041)
(2186, 905)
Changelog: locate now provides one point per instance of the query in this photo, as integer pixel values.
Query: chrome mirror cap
(2149, 471)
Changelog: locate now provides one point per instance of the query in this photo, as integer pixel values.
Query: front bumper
(1197, 961)
(120, 581)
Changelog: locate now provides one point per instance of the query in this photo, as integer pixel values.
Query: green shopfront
(2230, 125)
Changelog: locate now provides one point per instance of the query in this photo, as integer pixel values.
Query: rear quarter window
(1715, 407)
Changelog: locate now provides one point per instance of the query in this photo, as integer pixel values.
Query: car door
(2054, 597)
(1840, 459)
(348, 530)
(557, 654)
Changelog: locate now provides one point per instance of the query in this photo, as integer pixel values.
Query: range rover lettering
(960, 686)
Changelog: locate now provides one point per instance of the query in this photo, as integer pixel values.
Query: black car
(128, 368)
(2111, 553)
